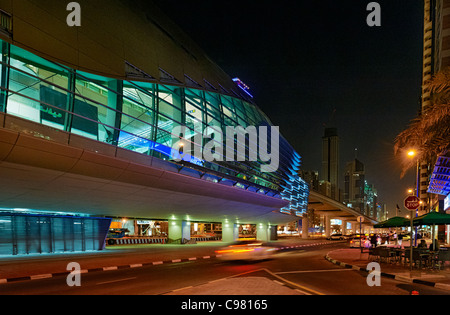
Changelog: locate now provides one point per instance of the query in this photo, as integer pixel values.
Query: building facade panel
(133, 115)
(131, 84)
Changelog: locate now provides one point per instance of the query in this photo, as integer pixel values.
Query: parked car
(355, 242)
(339, 236)
(335, 237)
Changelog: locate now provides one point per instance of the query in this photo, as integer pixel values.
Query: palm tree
(428, 134)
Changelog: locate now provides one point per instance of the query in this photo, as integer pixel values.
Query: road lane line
(303, 292)
(181, 289)
(136, 266)
(113, 281)
(44, 276)
(312, 271)
(292, 283)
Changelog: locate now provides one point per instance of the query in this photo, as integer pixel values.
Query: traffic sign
(412, 203)
(360, 219)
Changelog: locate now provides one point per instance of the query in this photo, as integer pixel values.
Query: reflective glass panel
(38, 89)
(137, 118)
(95, 102)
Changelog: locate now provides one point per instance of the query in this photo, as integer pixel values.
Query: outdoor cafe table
(423, 255)
(396, 253)
(390, 253)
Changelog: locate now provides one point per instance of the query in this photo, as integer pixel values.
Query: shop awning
(393, 222)
(433, 218)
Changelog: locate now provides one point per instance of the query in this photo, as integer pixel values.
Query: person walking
(373, 240)
(400, 240)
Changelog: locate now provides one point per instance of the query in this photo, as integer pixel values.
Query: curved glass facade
(141, 117)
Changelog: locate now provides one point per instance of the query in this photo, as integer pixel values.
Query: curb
(442, 286)
(111, 268)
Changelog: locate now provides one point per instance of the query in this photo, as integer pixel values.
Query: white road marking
(113, 281)
(312, 271)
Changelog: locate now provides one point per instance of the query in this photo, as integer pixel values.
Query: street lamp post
(412, 154)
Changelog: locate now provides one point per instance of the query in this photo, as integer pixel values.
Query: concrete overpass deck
(332, 209)
(47, 169)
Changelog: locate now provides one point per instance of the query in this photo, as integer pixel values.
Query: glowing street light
(412, 154)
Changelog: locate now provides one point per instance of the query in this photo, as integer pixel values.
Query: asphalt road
(298, 271)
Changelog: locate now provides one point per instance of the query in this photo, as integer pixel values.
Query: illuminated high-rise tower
(436, 57)
(330, 160)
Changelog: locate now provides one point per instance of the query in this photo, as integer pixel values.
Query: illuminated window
(38, 89)
(97, 100)
(137, 130)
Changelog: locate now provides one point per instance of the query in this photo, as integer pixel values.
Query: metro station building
(86, 132)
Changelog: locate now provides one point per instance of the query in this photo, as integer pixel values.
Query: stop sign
(412, 203)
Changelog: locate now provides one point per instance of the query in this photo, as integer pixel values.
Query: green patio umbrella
(393, 222)
(433, 218)
(380, 225)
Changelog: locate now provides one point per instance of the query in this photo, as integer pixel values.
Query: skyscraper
(330, 160)
(354, 182)
(436, 57)
(358, 193)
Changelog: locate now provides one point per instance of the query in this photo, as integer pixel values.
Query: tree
(429, 134)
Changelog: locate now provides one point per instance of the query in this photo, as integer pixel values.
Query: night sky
(304, 60)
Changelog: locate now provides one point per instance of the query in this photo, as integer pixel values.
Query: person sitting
(423, 244)
(434, 246)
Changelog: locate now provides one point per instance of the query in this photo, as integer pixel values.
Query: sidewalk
(354, 259)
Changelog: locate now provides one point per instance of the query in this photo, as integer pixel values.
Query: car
(246, 250)
(355, 242)
(339, 236)
(336, 237)
(406, 237)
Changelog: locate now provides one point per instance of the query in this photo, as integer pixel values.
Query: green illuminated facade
(137, 116)
(127, 85)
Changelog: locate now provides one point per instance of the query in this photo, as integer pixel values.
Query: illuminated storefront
(440, 186)
(25, 232)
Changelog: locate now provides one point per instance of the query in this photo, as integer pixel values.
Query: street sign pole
(360, 234)
(361, 220)
(412, 203)
(411, 245)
